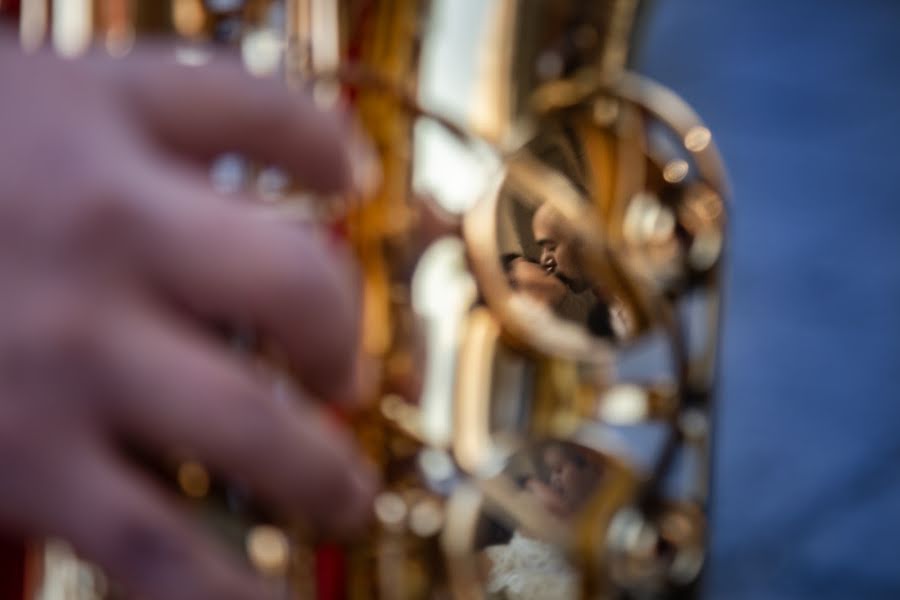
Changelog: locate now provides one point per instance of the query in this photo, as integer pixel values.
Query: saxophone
(541, 260)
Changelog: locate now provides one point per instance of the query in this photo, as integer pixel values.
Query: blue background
(803, 98)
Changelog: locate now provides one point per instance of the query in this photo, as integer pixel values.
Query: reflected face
(532, 280)
(559, 247)
(572, 479)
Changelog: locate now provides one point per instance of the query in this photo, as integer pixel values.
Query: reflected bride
(529, 569)
(564, 478)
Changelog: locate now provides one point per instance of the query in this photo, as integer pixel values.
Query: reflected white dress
(529, 569)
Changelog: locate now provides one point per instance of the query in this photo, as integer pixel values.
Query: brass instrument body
(649, 209)
(635, 185)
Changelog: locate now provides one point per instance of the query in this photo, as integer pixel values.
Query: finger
(219, 107)
(225, 262)
(123, 523)
(175, 390)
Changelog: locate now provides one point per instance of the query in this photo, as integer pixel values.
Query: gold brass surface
(543, 357)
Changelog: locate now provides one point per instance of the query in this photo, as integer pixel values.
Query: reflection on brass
(267, 548)
(426, 518)
(630, 403)
(517, 367)
(390, 509)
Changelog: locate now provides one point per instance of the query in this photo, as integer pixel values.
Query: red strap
(330, 573)
(9, 9)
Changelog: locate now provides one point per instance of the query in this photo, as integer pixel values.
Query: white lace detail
(528, 569)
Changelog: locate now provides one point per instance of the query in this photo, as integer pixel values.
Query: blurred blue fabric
(804, 101)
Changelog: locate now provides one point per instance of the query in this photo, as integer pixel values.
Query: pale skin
(534, 281)
(115, 254)
(570, 485)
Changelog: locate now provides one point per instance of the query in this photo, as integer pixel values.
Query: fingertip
(357, 512)
(316, 146)
(336, 375)
(348, 157)
(360, 388)
(328, 168)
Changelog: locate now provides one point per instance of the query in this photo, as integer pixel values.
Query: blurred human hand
(114, 252)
